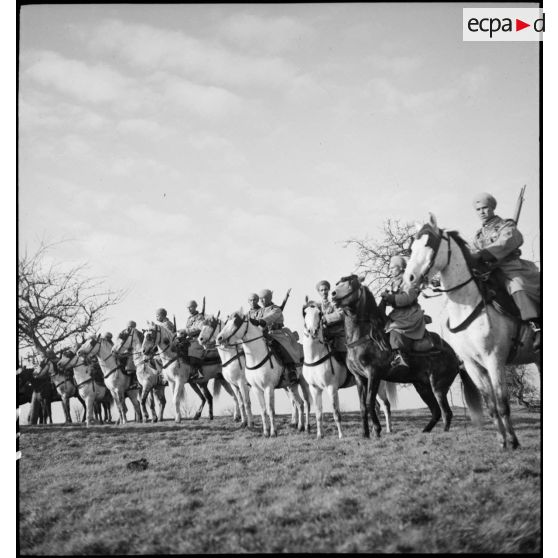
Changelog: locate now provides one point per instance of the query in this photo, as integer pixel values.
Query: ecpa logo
(503, 24)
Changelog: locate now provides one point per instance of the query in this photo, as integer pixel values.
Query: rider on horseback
(161, 318)
(271, 317)
(406, 321)
(126, 362)
(194, 324)
(333, 321)
(254, 311)
(497, 245)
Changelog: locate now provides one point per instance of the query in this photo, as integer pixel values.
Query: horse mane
(140, 334)
(209, 321)
(465, 248)
(370, 308)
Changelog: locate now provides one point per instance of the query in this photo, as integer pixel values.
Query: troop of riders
(496, 247)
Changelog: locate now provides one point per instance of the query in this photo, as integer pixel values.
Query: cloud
(143, 127)
(92, 83)
(148, 48)
(271, 35)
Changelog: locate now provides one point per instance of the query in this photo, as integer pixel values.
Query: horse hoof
(236, 419)
(266, 434)
(154, 419)
(177, 421)
(515, 444)
(210, 417)
(145, 421)
(274, 434)
(197, 416)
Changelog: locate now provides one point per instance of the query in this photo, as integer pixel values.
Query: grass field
(210, 487)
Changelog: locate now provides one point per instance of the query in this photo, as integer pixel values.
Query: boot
(134, 384)
(536, 325)
(196, 365)
(398, 360)
(290, 374)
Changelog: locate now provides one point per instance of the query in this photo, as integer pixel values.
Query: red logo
(519, 25)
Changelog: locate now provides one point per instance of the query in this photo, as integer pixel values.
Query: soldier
(497, 245)
(108, 336)
(254, 311)
(334, 321)
(406, 320)
(131, 324)
(161, 317)
(129, 362)
(271, 317)
(194, 325)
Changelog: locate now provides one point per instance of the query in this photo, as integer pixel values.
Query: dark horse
(369, 356)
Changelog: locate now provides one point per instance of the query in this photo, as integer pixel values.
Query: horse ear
(98, 336)
(361, 278)
(432, 220)
(306, 299)
(218, 314)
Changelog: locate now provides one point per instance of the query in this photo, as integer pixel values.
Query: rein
(226, 342)
(235, 357)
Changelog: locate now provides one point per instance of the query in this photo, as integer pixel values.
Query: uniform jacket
(167, 323)
(335, 321)
(273, 316)
(194, 324)
(255, 313)
(501, 238)
(407, 317)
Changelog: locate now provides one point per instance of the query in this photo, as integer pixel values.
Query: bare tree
(520, 388)
(56, 305)
(374, 254)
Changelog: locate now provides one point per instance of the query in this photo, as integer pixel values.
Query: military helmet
(192, 303)
(486, 199)
(161, 312)
(131, 323)
(265, 293)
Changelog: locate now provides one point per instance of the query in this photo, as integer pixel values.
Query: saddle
(492, 285)
(430, 344)
(210, 357)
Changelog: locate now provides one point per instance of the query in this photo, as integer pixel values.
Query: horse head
(231, 327)
(347, 291)
(312, 313)
(211, 326)
(429, 254)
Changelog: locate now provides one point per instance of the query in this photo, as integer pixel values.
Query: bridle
(434, 242)
(226, 342)
(329, 350)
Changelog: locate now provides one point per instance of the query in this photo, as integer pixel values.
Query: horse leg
(441, 398)
(306, 401)
(162, 402)
(209, 399)
(269, 395)
(371, 392)
(261, 401)
(80, 399)
(498, 380)
(297, 401)
(317, 396)
(482, 380)
(363, 408)
(426, 394)
(334, 395)
(120, 405)
(199, 393)
(177, 392)
(237, 417)
(245, 395)
(385, 405)
(239, 406)
(151, 398)
(66, 407)
(145, 391)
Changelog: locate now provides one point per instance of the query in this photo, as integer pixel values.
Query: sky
(184, 151)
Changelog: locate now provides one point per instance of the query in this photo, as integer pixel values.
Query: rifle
(203, 307)
(285, 300)
(174, 322)
(519, 204)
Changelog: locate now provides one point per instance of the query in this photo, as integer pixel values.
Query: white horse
(64, 385)
(129, 343)
(263, 371)
(116, 381)
(232, 365)
(322, 371)
(483, 337)
(91, 392)
(175, 369)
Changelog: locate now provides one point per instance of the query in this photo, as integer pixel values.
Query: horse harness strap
(319, 361)
(235, 357)
(268, 356)
(467, 322)
(85, 382)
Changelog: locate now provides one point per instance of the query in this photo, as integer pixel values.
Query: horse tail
(473, 396)
(391, 392)
(217, 385)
